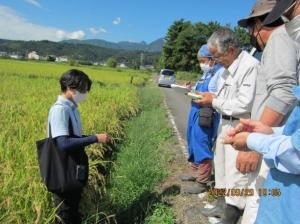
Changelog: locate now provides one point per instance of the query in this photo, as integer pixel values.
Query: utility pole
(142, 59)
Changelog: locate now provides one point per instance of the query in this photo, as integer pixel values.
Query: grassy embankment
(141, 164)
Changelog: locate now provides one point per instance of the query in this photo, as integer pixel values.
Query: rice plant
(27, 90)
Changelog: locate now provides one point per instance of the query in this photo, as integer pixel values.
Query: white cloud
(95, 31)
(73, 35)
(117, 21)
(15, 27)
(34, 2)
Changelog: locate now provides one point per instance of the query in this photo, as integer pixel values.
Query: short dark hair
(75, 79)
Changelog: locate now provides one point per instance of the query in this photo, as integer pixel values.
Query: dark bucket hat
(260, 8)
(280, 7)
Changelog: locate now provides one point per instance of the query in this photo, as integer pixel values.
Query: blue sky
(111, 20)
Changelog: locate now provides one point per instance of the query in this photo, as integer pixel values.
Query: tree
(159, 63)
(136, 64)
(183, 41)
(51, 58)
(185, 55)
(111, 62)
(169, 48)
(243, 36)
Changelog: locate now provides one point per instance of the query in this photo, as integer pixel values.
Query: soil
(185, 206)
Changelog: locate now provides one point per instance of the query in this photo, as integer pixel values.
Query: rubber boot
(187, 177)
(194, 188)
(232, 215)
(217, 211)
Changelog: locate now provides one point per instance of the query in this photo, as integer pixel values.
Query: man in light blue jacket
(280, 147)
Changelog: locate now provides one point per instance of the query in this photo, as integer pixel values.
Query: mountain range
(79, 51)
(154, 46)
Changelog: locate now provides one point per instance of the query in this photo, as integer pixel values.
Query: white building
(122, 65)
(3, 54)
(33, 55)
(62, 59)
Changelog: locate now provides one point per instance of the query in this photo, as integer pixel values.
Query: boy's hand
(103, 138)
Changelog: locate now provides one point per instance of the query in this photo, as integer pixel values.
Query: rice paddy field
(27, 91)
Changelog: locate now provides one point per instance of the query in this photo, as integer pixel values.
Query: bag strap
(70, 127)
(49, 128)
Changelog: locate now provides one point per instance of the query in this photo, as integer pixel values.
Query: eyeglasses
(205, 59)
(218, 56)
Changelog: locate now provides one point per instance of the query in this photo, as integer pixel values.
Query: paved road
(179, 105)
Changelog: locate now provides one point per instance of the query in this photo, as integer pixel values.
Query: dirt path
(185, 206)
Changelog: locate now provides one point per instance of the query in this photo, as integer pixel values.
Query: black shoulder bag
(205, 117)
(62, 171)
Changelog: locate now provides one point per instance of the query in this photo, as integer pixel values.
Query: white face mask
(205, 67)
(79, 97)
(293, 28)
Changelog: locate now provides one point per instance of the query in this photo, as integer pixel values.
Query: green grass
(141, 163)
(162, 214)
(187, 76)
